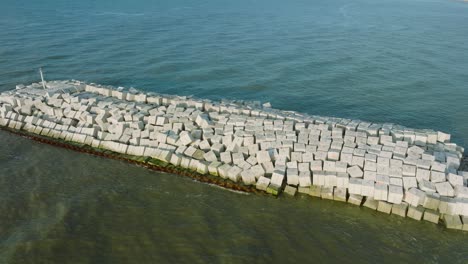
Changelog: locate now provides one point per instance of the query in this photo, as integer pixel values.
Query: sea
(386, 61)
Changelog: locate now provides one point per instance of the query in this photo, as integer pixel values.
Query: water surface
(396, 61)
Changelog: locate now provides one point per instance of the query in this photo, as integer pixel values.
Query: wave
(119, 14)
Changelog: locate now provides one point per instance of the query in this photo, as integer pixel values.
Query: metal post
(42, 78)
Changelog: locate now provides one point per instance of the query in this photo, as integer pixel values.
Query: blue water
(400, 61)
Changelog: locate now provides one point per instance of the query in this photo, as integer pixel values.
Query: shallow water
(388, 61)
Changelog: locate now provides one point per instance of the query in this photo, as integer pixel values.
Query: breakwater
(251, 147)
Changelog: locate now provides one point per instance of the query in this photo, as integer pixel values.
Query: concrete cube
(339, 194)
(371, 203)
(445, 189)
(355, 172)
(355, 186)
(395, 194)
(431, 216)
(414, 197)
(355, 199)
(262, 183)
(400, 209)
(384, 207)
(415, 213)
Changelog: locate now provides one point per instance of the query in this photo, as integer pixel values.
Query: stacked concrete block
(400, 209)
(392, 166)
(415, 213)
(431, 216)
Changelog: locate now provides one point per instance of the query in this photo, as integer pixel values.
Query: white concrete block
(455, 180)
(318, 178)
(367, 188)
(437, 177)
(381, 191)
(415, 213)
(355, 172)
(292, 177)
(342, 180)
(414, 197)
(305, 179)
(409, 182)
(354, 186)
(427, 186)
(395, 194)
(262, 183)
(461, 191)
(445, 189)
(277, 178)
(432, 201)
(400, 209)
(234, 173)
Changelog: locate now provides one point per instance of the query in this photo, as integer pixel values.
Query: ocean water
(400, 61)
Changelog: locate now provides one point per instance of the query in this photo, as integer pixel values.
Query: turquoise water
(404, 62)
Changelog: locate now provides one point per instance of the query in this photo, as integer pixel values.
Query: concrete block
(371, 203)
(202, 167)
(210, 156)
(427, 186)
(329, 166)
(315, 191)
(342, 180)
(262, 183)
(415, 213)
(263, 156)
(247, 177)
(455, 180)
(292, 176)
(355, 199)
(414, 197)
(318, 178)
(400, 209)
(223, 170)
(333, 155)
(384, 207)
(437, 177)
(355, 186)
(370, 175)
(409, 170)
(447, 205)
(452, 222)
(305, 179)
(445, 189)
(395, 194)
(185, 138)
(431, 201)
(355, 172)
(277, 177)
(358, 161)
(461, 191)
(409, 182)
(431, 216)
(330, 179)
(367, 188)
(213, 168)
(381, 191)
(226, 157)
(339, 194)
(316, 165)
(290, 190)
(327, 193)
(234, 173)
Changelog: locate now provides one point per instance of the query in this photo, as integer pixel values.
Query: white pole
(42, 78)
